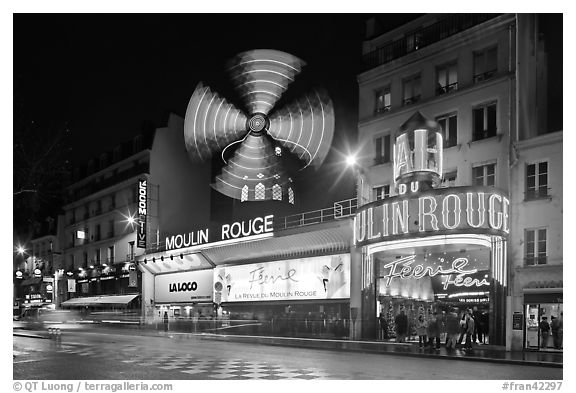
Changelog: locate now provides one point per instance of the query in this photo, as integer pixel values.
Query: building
(536, 244)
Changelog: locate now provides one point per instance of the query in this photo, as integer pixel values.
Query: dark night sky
(103, 76)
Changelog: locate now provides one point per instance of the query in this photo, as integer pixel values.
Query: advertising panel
(185, 287)
(316, 278)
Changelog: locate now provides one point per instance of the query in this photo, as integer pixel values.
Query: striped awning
(99, 301)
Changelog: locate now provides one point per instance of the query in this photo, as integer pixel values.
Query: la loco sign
(435, 212)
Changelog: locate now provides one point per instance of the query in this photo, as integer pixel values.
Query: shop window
(276, 192)
(446, 78)
(383, 100)
(290, 195)
(536, 180)
(382, 150)
(484, 121)
(449, 124)
(485, 64)
(259, 191)
(484, 175)
(381, 192)
(244, 196)
(535, 240)
(411, 90)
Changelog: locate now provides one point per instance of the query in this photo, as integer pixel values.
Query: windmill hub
(258, 123)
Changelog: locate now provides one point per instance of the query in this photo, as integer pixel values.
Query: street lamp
(352, 162)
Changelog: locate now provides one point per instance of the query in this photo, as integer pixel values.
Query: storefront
(543, 304)
(304, 297)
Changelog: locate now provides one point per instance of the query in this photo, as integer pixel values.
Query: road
(102, 355)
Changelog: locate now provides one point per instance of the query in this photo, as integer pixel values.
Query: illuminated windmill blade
(261, 76)
(255, 173)
(211, 124)
(305, 128)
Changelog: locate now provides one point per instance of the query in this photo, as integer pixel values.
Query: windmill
(254, 145)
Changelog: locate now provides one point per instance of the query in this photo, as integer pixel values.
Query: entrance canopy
(118, 300)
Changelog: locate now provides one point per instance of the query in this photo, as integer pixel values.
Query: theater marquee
(434, 212)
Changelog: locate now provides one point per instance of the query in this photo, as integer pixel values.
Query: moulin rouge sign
(434, 212)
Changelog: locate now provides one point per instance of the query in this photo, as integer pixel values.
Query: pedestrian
(462, 330)
(452, 329)
(401, 323)
(555, 327)
(477, 328)
(434, 331)
(165, 321)
(421, 326)
(544, 332)
(469, 330)
(383, 327)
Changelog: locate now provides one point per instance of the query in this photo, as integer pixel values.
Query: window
(449, 179)
(259, 191)
(110, 255)
(97, 232)
(484, 175)
(137, 144)
(111, 228)
(98, 207)
(383, 100)
(112, 202)
(85, 257)
(485, 64)
(103, 160)
(447, 78)
(535, 240)
(484, 119)
(276, 192)
(381, 192)
(382, 149)
(290, 195)
(414, 40)
(97, 255)
(411, 88)
(116, 154)
(449, 124)
(130, 251)
(536, 180)
(244, 196)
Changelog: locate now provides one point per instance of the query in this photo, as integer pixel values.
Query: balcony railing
(411, 100)
(484, 134)
(341, 209)
(447, 89)
(450, 25)
(382, 109)
(484, 76)
(532, 261)
(537, 193)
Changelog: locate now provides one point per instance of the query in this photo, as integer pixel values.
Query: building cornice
(541, 140)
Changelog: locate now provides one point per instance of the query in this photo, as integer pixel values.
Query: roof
(99, 300)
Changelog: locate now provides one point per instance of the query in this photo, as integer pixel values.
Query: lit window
(383, 100)
(447, 78)
(535, 246)
(536, 180)
(244, 196)
(484, 175)
(278, 151)
(276, 192)
(485, 64)
(260, 191)
(484, 121)
(449, 124)
(381, 192)
(382, 150)
(290, 195)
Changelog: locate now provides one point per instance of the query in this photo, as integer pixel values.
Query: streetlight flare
(351, 160)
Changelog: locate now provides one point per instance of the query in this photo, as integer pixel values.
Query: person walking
(165, 318)
(401, 323)
(434, 332)
(421, 326)
(544, 332)
(452, 329)
(383, 327)
(555, 327)
(469, 330)
(462, 330)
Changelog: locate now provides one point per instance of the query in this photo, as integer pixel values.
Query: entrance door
(534, 314)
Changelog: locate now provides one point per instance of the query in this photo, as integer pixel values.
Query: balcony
(484, 76)
(536, 193)
(411, 100)
(533, 261)
(447, 89)
(449, 26)
(382, 109)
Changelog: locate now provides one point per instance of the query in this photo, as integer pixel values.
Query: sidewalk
(479, 354)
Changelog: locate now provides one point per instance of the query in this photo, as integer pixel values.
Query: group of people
(556, 326)
(430, 329)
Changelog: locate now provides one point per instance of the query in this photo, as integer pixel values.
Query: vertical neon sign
(142, 213)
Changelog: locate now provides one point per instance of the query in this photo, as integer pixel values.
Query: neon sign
(402, 268)
(142, 212)
(462, 209)
(228, 232)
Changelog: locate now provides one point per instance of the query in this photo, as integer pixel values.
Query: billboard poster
(315, 278)
(184, 287)
(71, 285)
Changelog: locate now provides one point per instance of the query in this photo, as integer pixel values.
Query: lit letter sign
(481, 210)
(142, 213)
